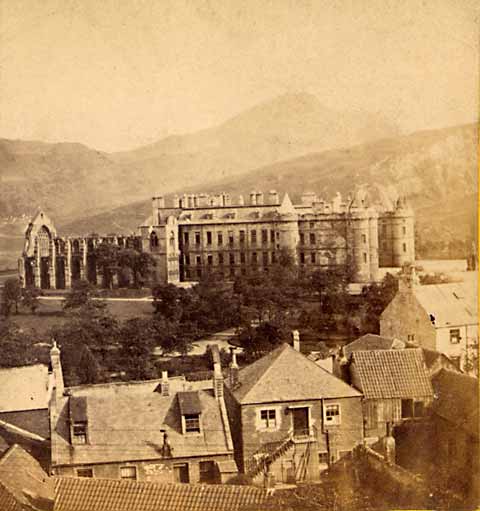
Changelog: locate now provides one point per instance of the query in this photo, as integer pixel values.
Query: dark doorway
(60, 273)
(300, 422)
(29, 276)
(75, 269)
(207, 472)
(44, 273)
(180, 473)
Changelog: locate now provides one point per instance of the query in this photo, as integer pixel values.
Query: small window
(404, 230)
(187, 260)
(199, 273)
(407, 408)
(80, 433)
(210, 260)
(265, 258)
(268, 419)
(404, 247)
(199, 260)
(323, 458)
(364, 238)
(313, 257)
(232, 272)
(207, 471)
(242, 237)
(312, 225)
(153, 240)
(411, 337)
(272, 236)
(365, 257)
(192, 423)
(242, 257)
(264, 236)
(302, 238)
(312, 238)
(220, 259)
(254, 257)
(209, 238)
(302, 258)
(128, 473)
(220, 238)
(274, 258)
(253, 236)
(331, 414)
(232, 258)
(230, 237)
(84, 472)
(197, 238)
(455, 336)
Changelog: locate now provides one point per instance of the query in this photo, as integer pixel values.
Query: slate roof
(24, 388)
(392, 373)
(287, 375)
(23, 479)
(456, 399)
(372, 342)
(451, 304)
(126, 421)
(83, 494)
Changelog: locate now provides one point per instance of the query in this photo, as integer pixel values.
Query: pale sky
(118, 74)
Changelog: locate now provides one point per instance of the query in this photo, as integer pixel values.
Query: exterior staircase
(266, 455)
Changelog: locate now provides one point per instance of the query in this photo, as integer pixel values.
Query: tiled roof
(456, 399)
(372, 342)
(392, 373)
(127, 421)
(83, 494)
(23, 388)
(450, 304)
(287, 375)
(25, 480)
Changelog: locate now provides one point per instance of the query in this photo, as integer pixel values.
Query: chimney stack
(165, 384)
(253, 198)
(217, 380)
(241, 200)
(259, 198)
(296, 340)
(233, 369)
(57, 370)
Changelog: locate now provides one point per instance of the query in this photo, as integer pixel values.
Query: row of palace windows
(265, 235)
(222, 259)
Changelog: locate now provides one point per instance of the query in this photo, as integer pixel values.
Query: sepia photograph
(239, 255)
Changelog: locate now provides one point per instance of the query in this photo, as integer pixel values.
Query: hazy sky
(118, 74)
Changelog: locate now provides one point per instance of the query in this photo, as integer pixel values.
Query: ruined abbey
(193, 234)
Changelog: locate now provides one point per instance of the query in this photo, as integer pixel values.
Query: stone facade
(195, 234)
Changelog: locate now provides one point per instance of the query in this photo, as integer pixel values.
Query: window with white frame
(128, 472)
(331, 414)
(79, 431)
(455, 336)
(192, 423)
(84, 472)
(268, 419)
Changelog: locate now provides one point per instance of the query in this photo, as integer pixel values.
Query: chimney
(233, 369)
(58, 383)
(165, 384)
(273, 198)
(176, 201)
(241, 200)
(259, 198)
(296, 340)
(253, 198)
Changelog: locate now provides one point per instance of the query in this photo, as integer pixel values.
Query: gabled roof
(392, 374)
(450, 304)
(372, 342)
(132, 414)
(22, 477)
(287, 375)
(24, 388)
(83, 494)
(456, 399)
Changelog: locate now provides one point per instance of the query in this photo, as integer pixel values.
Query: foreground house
(395, 384)
(290, 418)
(456, 433)
(439, 317)
(24, 485)
(167, 430)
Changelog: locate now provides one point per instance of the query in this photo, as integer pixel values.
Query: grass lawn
(50, 313)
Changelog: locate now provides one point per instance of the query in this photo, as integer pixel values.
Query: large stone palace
(190, 235)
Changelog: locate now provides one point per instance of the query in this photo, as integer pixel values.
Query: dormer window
(192, 423)
(190, 411)
(78, 420)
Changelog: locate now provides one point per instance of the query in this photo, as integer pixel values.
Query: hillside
(436, 170)
(71, 180)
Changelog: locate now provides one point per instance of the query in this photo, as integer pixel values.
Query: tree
(140, 264)
(169, 300)
(106, 256)
(136, 345)
(30, 298)
(16, 346)
(81, 294)
(11, 295)
(375, 298)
